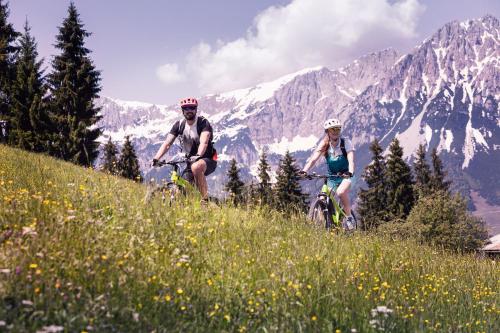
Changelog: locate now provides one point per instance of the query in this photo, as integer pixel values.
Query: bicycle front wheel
(319, 214)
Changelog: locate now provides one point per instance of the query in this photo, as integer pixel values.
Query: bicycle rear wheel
(319, 214)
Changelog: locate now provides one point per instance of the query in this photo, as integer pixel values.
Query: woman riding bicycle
(339, 155)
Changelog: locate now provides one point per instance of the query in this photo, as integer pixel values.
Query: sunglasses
(189, 108)
(334, 130)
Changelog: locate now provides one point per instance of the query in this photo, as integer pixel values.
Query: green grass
(80, 250)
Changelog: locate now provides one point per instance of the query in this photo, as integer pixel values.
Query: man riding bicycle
(195, 134)
(339, 156)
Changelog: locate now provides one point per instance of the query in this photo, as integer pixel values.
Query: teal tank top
(336, 164)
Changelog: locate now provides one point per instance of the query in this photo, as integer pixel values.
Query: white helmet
(330, 123)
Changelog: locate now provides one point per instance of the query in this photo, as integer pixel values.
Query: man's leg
(199, 167)
(343, 193)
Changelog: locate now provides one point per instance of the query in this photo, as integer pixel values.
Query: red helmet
(190, 101)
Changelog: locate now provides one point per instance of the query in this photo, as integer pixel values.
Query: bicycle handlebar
(316, 176)
(173, 162)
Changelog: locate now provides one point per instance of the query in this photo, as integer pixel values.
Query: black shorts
(187, 174)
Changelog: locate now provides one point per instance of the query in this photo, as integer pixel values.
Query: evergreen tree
(264, 188)
(400, 196)
(110, 160)
(287, 192)
(443, 220)
(372, 205)
(422, 173)
(8, 51)
(74, 85)
(438, 182)
(128, 164)
(253, 194)
(234, 185)
(28, 112)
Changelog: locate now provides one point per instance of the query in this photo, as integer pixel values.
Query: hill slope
(79, 251)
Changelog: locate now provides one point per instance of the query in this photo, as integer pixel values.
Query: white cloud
(169, 73)
(304, 33)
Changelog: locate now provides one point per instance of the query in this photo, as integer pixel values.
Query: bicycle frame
(176, 181)
(338, 211)
(176, 178)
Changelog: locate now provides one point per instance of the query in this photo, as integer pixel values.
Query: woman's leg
(343, 193)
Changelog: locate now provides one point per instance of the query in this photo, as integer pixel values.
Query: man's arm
(204, 140)
(165, 146)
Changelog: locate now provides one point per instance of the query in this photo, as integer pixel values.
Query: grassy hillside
(79, 250)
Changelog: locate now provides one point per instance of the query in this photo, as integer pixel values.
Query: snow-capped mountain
(444, 94)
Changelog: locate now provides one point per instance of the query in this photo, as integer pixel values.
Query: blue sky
(160, 51)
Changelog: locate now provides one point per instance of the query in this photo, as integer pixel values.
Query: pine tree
(400, 196)
(264, 187)
(128, 164)
(437, 181)
(287, 192)
(253, 194)
(74, 85)
(28, 112)
(372, 204)
(422, 173)
(234, 185)
(8, 52)
(110, 160)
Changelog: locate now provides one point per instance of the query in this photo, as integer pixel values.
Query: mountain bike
(326, 209)
(169, 190)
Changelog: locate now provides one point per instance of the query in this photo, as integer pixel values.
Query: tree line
(285, 195)
(418, 204)
(54, 113)
(398, 200)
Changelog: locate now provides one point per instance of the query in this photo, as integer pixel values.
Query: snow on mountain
(298, 143)
(261, 92)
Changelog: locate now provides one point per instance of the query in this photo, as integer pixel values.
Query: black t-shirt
(189, 136)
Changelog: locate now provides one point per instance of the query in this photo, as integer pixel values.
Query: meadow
(80, 251)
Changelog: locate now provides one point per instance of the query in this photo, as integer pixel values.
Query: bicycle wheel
(356, 223)
(151, 189)
(319, 214)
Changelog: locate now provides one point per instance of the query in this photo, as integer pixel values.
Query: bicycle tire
(356, 223)
(319, 214)
(150, 192)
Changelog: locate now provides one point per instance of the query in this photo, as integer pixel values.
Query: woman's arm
(350, 158)
(320, 151)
